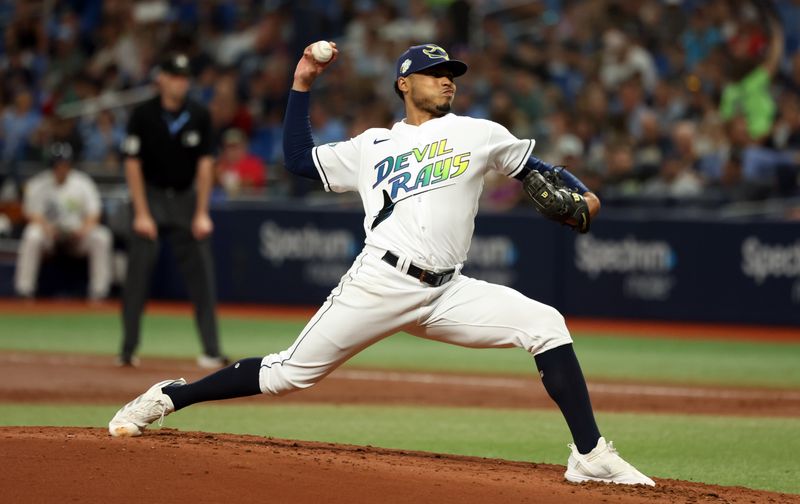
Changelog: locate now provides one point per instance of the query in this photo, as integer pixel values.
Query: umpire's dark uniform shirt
(169, 144)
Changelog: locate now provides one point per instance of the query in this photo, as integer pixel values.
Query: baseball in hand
(322, 51)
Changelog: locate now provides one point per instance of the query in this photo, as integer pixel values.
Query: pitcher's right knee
(279, 375)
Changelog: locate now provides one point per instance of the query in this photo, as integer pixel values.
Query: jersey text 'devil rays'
(438, 162)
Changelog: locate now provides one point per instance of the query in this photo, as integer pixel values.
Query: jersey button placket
(420, 214)
(420, 210)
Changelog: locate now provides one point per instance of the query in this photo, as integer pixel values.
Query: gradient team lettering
(443, 166)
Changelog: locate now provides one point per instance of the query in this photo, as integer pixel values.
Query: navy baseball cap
(59, 151)
(176, 64)
(418, 58)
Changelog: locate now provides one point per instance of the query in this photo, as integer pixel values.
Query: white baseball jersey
(433, 174)
(420, 187)
(67, 205)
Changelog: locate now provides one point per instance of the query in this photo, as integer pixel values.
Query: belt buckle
(430, 278)
(422, 274)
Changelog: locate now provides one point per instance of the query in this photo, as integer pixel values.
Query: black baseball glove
(557, 202)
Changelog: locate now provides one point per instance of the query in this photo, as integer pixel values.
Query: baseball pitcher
(420, 183)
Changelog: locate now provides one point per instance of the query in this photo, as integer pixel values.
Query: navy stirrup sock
(237, 380)
(563, 379)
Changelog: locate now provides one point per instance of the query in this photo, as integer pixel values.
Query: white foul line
(601, 388)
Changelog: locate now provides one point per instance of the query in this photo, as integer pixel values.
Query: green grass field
(663, 360)
(753, 452)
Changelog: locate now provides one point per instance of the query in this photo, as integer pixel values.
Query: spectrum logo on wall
(645, 265)
(760, 261)
(596, 256)
(279, 244)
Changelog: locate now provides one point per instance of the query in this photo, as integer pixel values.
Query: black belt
(429, 277)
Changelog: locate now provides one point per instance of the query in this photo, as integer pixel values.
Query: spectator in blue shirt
(18, 122)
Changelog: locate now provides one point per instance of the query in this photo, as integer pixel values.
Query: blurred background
(684, 116)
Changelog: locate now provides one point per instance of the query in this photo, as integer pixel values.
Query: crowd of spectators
(694, 102)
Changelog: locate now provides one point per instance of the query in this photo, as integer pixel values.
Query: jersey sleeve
(132, 144)
(507, 153)
(338, 164)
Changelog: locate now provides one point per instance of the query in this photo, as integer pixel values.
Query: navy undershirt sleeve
(537, 164)
(297, 140)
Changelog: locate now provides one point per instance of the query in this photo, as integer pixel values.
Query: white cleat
(133, 418)
(603, 464)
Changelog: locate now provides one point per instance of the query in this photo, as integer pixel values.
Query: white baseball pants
(97, 244)
(374, 300)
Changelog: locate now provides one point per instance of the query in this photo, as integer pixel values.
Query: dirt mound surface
(43, 464)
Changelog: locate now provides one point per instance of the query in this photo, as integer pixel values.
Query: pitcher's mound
(47, 464)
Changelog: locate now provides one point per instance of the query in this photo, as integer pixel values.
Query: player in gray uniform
(420, 183)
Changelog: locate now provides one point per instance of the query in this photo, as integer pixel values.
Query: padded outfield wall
(737, 272)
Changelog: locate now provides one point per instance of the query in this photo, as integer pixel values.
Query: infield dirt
(85, 465)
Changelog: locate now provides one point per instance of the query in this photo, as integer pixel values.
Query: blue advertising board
(686, 270)
(292, 256)
(737, 272)
(284, 256)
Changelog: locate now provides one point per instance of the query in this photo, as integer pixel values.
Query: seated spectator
(700, 37)
(502, 193)
(786, 132)
(620, 181)
(237, 169)
(569, 151)
(17, 123)
(791, 77)
(762, 163)
(669, 104)
(684, 137)
(102, 138)
(63, 211)
(622, 59)
(649, 149)
(676, 179)
(733, 186)
(326, 128)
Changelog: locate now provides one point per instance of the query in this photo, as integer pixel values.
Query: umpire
(169, 168)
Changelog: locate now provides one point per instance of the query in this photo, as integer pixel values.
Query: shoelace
(158, 404)
(611, 450)
(163, 413)
(614, 451)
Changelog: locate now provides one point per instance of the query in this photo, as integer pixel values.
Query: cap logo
(435, 52)
(404, 66)
(61, 150)
(181, 61)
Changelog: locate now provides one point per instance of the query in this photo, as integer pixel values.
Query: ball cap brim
(421, 57)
